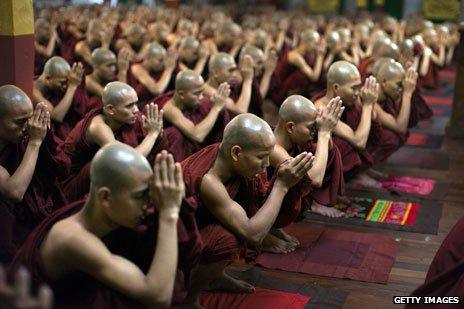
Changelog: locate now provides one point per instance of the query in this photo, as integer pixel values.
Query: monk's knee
(219, 245)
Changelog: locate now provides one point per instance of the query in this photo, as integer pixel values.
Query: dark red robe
(81, 152)
(68, 42)
(42, 196)
(40, 60)
(420, 110)
(446, 273)
(144, 95)
(431, 80)
(256, 100)
(175, 142)
(365, 67)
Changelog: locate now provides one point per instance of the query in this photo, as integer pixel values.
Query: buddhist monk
(333, 49)
(223, 69)
(159, 32)
(30, 159)
(228, 38)
(301, 67)
(118, 119)
(60, 88)
(352, 132)
(133, 39)
(362, 37)
(382, 47)
(392, 113)
(349, 48)
(106, 68)
(192, 55)
(192, 121)
(72, 250)
(227, 184)
(45, 43)
(151, 77)
(433, 57)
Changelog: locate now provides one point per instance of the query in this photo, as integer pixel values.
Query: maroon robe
(446, 273)
(43, 195)
(256, 100)
(81, 152)
(68, 42)
(431, 80)
(420, 110)
(144, 95)
(40, 60)
(365, 67)
(175, 142)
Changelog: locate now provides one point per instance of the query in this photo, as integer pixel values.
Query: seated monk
(151, 77)
(159, 32)
(97, 36)
(228, 38)
(382, 47)
(60, 88)
(333, 52)
(70, 32)
(133, 40)
(298, 117)
(433, 57)
(353, 131)
(445, 275)
(106, 68)
(226, 184)
(349, 48)
(222, 69)
(76, 249)
(45, 44)
(29, 160)
(192, 121)
(301, 67)
(393, 113)
(118, 119)
(362, 36)
(192, 55)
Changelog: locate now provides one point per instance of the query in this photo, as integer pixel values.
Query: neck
(113, 124)
(328, 96)
(301, 49)
(281, 137)
(221, 169)
(212, 82)
(94, 220)
(97, 78)
(177, 102)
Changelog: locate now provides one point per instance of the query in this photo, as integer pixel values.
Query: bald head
(247, 131)
(117, 93)
(220, 60)
(115, 166)
(101, 56)
(379, 63)
(155, 50)
(297, 108)
(342, 73)
(187, 80)
(254, 52)
(41, 23)
(309, 36)
(189, 42)
(384, 47)
(390, 70)
(56, 66)
(333, 39)
(136, 29)
(11, 97)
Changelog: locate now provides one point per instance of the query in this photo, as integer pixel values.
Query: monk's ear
(103, 196)
(290, 126)
(235, 152)
(181, 93)
(109, 109)
(335, 87)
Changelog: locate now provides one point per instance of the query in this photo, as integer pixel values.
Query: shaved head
(189, 42)
(309, 36)
(390, 70)
(253, 51)
(115, 166)
(188, 79)
(117, 93)
(102, 55)
(155, 50)
(56, 66)
(379, 63)
(40, 22)
(136, 29)
(333, 39)
(297, 108)
(219, 60)
(342, 73)
(384, 47)
(247, 131)
(11, 97)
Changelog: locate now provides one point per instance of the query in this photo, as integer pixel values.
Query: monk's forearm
(145, 147)
(318, 67)
(425, 63)
(122, 76)
(202, 129)
(160, 86)
(280, 41)
(161, 275)
(259, 225)
(328, 61)
(362, 132)
(200, 65)
(243, 101)
(449, 55)
(405, 111)
(60, 111)
(16, 185)
(317, 171)
(51, 46)
(265, 82)
(441, 55)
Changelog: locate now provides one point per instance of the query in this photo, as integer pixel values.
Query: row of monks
(159, 146)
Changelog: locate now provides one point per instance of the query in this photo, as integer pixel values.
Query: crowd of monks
(159, 146)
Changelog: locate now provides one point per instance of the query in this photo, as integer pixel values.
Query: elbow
(57, 118)
(255, 240)
(360, 145)
(16, 196)
(158, 299)
(196, 138)
(316, 183)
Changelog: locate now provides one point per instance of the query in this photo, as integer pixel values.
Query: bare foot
(280, 233)
(227, 283)
(331, 212)
(366, 181)
(274, 244)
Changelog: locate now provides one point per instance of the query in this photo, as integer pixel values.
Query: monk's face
(94, 38)
(226, 73)
(349, 91)
(258, 63)
(189, 54)
(126, 112)
(42, 33)
(156, 62)
(393, 87)
(251, 162)
(300, 133)
(192, 98)
(128, 206)
(57, 83)
(107, 69)
(13, 125)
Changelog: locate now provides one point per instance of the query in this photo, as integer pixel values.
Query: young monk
(30, 159)
(60, 88)
(222, 69)
(393, 113)
(118, 119)
(45, 44)
(227, 185)
(151, 77)
(228, 38)
(433, 57)
(192, 55)
(106, 68)
(133, 39)
(192, 121)
(79, 252)
(352, 132)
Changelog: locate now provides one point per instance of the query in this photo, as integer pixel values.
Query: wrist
(169, 215)
(280, 185)
(324, 134)
(34, 143)
(72, 87)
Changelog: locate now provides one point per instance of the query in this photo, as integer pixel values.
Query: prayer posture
(45, 44)
(60, 88)
(192, 55)
(118, 119)
(30, 159)
(226, 184)
(86, 251)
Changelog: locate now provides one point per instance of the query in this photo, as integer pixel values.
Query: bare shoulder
(212, 187)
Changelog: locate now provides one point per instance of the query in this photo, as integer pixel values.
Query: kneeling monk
(79, 250)
(227, 185)
(119, 119)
